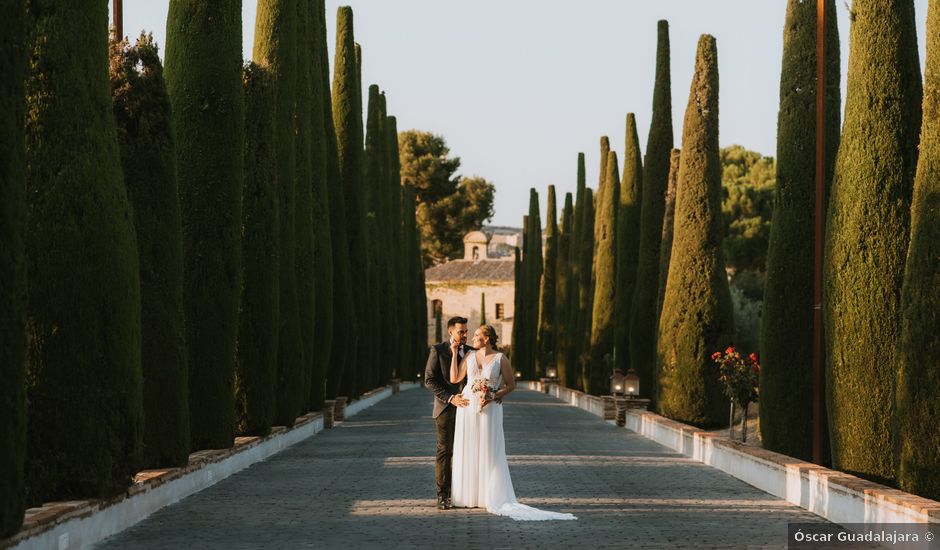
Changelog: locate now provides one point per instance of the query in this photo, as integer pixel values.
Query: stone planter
(339, 409)
(328, 406)
(610, 408)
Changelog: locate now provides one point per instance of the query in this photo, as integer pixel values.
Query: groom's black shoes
(443, 503)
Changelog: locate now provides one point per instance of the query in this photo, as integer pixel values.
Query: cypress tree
(360, 384)
(627, 244)
(868, 227)
(669, 214)
(438, 327)
(405, 303)
(585, 290)
(918, 433)
(562, 287)
(12, 266)
(415, 279)
(533, 285)
(643, 315)
(569, 364)
(697, 317)
(517, 307)
(204, 80)
(519, 346)
(275, 50)
(347, 118)
(547, 330)
(605, 272)
(602, 173)
(256, 368)
(374, 180)
(322, 245)
(483, 308)
(342, 349)
(84, 422)
(787, 318)
(148, 157)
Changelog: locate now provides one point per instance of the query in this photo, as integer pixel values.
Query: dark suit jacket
(437, 376)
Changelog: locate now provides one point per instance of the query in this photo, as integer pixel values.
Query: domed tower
(475, 244)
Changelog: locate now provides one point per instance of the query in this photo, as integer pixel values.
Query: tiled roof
(468, 270)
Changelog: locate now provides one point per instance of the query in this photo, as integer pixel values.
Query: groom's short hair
(456, 321)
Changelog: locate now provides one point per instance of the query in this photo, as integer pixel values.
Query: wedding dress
(480, 476)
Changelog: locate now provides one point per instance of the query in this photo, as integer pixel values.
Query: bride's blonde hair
(490, 333)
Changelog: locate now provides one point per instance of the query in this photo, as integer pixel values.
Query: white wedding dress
(480, 476)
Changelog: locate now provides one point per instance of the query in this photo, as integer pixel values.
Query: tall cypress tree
(585, 288)
(483, 308)
(627, 244)
(601, 188)
(519, 347)
(12, 266)
(405, 303)
(148, 157)
(275, 50)
(697, 317)
(85, 415)
(517, 308)
(311, 60)
(643, 317)
(533, 260)
(342, 349)
(374, 181)
(605, 272)
(568, 359)
(256, 374)
(547, 329)
(918, 433)
(669, 215)
(415, 279)
(562, 287)
(867, 235)
(347, 118)
(787, 318)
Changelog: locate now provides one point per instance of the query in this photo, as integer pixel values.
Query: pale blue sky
(519, 87)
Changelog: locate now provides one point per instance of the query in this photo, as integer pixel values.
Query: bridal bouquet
(482, 388)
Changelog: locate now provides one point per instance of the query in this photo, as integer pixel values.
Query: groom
(446, 400)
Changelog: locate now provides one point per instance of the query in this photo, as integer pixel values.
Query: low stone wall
(836, 496)
(81, 523)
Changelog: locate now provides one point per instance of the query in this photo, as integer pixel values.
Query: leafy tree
(85, 414)
(786, 330)
(12, 266)
(697, 317)
(148, 156)
(449, 205)
(748, 182)
(867, 235)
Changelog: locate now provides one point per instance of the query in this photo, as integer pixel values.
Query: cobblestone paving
(369, 483)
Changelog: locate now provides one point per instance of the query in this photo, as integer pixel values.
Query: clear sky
(519, 87)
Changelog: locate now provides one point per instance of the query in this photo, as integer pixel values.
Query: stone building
(458, 287)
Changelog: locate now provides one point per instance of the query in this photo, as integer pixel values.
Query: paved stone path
(369, 483)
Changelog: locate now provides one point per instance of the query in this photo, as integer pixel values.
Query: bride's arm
(509, 379)
(458, 372)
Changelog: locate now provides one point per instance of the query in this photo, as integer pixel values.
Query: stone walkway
(369, 483)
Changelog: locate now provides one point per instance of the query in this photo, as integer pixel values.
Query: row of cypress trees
(185, 239)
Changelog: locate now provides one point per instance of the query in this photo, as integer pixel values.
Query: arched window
(476, 253)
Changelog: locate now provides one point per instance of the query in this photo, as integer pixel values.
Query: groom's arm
(432, 381)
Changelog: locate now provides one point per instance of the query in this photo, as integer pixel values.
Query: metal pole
(117, 18)
(819, 381)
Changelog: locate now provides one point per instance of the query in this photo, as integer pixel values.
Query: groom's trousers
(446, 421)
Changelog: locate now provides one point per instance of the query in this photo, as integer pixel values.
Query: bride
(480, 475)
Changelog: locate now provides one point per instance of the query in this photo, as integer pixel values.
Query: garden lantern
(552, 372)
(616, 382)
(518, 375)
(631, 383)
